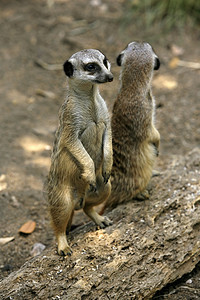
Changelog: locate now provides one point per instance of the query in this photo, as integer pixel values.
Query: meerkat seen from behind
(135, 138)
(81, 161)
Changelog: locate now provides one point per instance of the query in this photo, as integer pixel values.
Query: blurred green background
(167, 13)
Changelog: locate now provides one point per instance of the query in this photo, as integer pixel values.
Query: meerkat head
(141, 55)
(88, 65)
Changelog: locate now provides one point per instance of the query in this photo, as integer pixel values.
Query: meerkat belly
(92, 140)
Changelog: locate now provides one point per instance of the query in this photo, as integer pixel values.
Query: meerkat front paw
(106, 176)
(106, 171)
(90, 178)
(92, 188)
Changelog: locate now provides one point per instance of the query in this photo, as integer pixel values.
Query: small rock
(14, 201)
(189, 281)
(37, 249)
(95, 3)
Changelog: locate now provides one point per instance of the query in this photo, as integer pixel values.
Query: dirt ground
(37, 32)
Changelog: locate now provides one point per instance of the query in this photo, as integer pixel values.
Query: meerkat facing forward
(81, 161)
(134, 136)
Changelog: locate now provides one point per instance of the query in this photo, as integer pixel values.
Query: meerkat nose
(110, 77)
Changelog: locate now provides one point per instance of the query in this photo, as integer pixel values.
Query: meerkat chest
(92, 128)
(93, 116)
(92, 140)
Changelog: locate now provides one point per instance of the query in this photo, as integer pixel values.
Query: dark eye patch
(105, 62)
(92, 67)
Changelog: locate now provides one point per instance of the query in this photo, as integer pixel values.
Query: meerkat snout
(110, 78)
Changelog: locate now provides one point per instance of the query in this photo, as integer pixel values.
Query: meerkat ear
(68, 68)
(119, 60)
(156, 63)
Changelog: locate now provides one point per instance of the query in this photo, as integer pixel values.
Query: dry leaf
(174, 62)
(3, 186)
(6, 240)
(2, 177)
(28, 227)
(189, 64)
(46, 94)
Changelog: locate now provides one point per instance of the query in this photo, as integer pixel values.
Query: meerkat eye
(90, 67)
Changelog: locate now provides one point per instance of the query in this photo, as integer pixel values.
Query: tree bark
(150, 244)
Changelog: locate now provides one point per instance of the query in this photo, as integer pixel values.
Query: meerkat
(135, 139)
(81, 160)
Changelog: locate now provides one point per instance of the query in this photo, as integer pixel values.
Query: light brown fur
(81, 161)
(134, 136)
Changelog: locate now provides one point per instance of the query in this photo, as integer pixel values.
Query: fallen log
(150, 244)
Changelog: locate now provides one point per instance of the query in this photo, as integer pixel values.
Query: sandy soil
(50, 31)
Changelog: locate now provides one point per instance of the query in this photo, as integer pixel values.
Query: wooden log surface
(150, 244)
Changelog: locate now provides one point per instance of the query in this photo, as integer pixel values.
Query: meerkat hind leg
(69, 223)
(142, 195)
(156, 173)
(61, 219)
(93, 199)
(63, 247)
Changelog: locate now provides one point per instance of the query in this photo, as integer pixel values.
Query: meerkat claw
(104, 223)
(66, 252)
(92, 188)
(106, 177)
(143, 195)
(156, 173)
